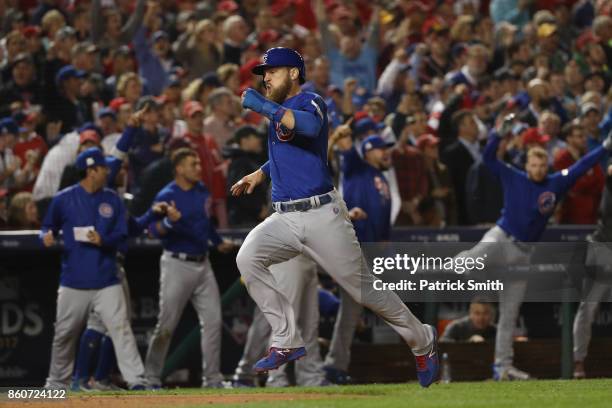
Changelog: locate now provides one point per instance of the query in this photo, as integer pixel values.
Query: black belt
(523, 246)
(303, 205)
(186, 257)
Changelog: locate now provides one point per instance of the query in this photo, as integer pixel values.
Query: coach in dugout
(93, 224)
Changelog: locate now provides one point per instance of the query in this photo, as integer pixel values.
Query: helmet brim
(261, 69)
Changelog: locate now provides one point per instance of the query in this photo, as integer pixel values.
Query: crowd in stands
(433, 76)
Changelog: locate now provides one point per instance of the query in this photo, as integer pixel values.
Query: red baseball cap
(89, 136)
(116, 103)
(532, 135)
(434, 25)
(31, 31)
(190, 108)
(427, 140)
(228, 6)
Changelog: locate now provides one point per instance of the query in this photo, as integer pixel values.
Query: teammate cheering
(367, 195)
(310, 218)
(185, 272)
(530, 198)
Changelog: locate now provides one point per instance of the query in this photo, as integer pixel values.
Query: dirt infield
(148, 400)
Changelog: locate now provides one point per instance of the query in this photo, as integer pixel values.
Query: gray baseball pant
(181, 281)
(297, 280)
(73, 306)
(502, 250)
(600, 256)
(94, 321)
(339, 354)
(326, 235)
(255, 347)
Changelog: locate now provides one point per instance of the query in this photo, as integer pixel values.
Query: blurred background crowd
(432, 76)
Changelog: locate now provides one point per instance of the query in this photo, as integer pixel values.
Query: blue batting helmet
(281, 57)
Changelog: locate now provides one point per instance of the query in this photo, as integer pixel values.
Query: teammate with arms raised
(530, 198)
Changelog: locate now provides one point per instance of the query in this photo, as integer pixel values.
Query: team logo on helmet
(282, 133)
(105, 210)
(546, 202)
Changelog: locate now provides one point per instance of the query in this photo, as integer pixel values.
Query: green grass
(536, 394)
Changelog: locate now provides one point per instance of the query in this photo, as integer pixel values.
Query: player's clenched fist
(94, 238)
(357, 213)
(225, 247)
(160, 207)
(251, 99)
(173, 213)
(48, 239)
(248, 183)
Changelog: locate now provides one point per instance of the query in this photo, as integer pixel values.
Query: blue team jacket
(529, 205)
(84, 265)
(297, 162)
(367, 188)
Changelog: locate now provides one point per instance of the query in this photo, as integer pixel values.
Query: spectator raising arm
(127, 31)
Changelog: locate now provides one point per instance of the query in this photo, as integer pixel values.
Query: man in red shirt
(31, 148)
(581, 203)
(210, 157)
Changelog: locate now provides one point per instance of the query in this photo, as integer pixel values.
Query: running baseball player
(530, 198)
(185, 271)
(599, 255)
(93, 223)
(366, 192)
(297, 280)
(310, 218)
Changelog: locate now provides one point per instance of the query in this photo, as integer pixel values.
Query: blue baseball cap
(89, 158)
(374, 142)
(8, 125)
(107, 112)
(91, 126)
(68, 71)
(281, 57)
(363, 126)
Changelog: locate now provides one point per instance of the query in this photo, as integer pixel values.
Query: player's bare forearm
(248, 183)
(288, 119)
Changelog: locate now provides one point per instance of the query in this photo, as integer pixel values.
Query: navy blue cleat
(336, 376)
(427, 365)
(277, 357)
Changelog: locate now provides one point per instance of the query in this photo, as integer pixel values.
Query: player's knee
(245, 259)
(63, 332)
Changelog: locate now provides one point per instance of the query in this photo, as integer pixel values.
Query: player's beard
(280, 93)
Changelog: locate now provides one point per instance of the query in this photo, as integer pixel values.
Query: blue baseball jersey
(367, 188)
(191, 233)
(84, 265)
(297, 162)
(528, 205)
